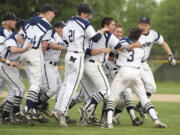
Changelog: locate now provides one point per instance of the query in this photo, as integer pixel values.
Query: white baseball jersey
(11, 41)
(148, 40)
(4, 34)
(51, 54)
(77, 33)
(131, 58)
(35, 30)
(108, 40)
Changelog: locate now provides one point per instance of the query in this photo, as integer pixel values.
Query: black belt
(93, 61)
(143, 61)
(75, 52)
(114, 68)
(53, 63)
(34, 47)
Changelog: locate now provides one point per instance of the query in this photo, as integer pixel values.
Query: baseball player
(51, 78)
(94, 69)
(10, 73)
(147, 40)
(37, 31)
(129, 75)
(8, 23)
(126, 96)
(76, 33)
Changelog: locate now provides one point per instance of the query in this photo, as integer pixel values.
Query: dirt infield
(163, 97)
(154, 97)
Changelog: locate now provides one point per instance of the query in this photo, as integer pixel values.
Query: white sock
(153, 114)
(109, 117)
(132, 114)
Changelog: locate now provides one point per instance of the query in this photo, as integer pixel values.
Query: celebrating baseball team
(102, 64)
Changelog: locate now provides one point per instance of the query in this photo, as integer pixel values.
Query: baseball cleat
(116, 121)
(61, 118)
(6, 120)
(84, 114)
(40, 118)
(69, 120)
(159, 124)
(62, 121)
(44, 109)
(94, 120)
(82, 123)
(137, 122)
(27, 117)
(18, 118)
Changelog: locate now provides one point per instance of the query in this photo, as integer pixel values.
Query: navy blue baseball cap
(144, 20)
(9, 16)
(48, 7)
(84, 8)
(59, 24)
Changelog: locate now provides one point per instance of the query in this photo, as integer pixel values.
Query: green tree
(134, 10)
(166, 20)
(106, 8)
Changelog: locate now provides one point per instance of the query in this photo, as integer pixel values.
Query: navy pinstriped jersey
(76, 33)
(4, 34)
(108, 40)
(149, 40)
(11, 41)
(131, 58)
(35, 30)
(54, 55)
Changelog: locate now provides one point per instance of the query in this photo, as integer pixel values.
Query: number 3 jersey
(76, 33)
(131, 58)
(148, 40)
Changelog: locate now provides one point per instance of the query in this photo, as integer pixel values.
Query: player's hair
(118, 25)
(135, 33)
(19, 24)
(3, 23)
(106, 21)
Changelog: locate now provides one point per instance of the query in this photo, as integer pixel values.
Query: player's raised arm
(93, 52)
(134, 35)
(55, 46)
(11, 42)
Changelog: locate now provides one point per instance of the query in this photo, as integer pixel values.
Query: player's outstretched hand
(172, 61)
(103, 30)
(14, 64)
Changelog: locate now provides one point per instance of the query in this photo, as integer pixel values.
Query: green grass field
(168, 113)
(162, 87)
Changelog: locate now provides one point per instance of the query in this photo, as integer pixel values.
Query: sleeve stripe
(118, 46)
(158, 37)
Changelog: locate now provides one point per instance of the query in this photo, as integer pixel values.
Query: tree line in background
(165, 17)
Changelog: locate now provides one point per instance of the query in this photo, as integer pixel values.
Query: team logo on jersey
(72, 59)
(147, 44)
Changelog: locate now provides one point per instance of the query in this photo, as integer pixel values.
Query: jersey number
(71, 35)
(131, 56)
